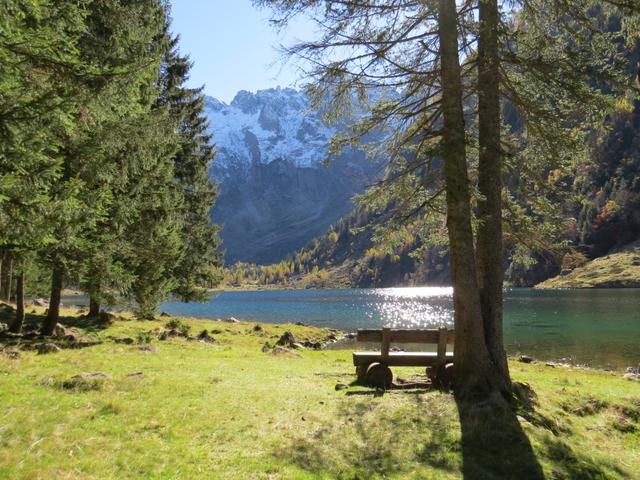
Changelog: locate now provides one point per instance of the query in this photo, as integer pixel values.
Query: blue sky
(233, 46)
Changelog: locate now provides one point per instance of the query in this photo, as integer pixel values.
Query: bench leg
(361, 373)
(379, 375)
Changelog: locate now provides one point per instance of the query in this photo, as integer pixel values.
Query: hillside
(619, 269)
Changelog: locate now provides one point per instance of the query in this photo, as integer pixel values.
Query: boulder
(284, 351)
(204, 336)
(59, 331)
(297, 346)
(266, 347)
(631, 376)
(525, 359)
(341, 386)
(634, 370)
(231, 320)
(45, 348)
(286, 339)
(164, 314)
(40, 302)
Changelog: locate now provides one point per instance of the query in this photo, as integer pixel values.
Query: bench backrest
(386, 336)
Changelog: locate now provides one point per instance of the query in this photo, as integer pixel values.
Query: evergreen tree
(199, 236)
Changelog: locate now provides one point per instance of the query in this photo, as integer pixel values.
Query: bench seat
(399, 359)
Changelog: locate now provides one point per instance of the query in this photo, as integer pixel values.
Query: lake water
(600, 328)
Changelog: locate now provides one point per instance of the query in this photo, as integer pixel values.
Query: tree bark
(53, 316)
(94, 307)
(489, 254)
(10, 280)
(18, 322)
(475, 376)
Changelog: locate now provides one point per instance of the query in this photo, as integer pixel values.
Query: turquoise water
(599, 328)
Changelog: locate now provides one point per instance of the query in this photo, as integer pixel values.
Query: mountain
(275, 192)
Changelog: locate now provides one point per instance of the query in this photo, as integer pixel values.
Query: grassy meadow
(226, 409)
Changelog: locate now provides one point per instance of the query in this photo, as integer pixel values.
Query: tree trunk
(53, 316)
(1, 260)
(475, 375)
(94, 307)
(9, 280)
(16, 327)
(489, 236)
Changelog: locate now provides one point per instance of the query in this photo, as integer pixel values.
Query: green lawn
(228, 410)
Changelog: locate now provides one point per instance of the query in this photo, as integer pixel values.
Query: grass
(620, 269)
(189, 409)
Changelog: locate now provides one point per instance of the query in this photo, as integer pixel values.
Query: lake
(599, 328)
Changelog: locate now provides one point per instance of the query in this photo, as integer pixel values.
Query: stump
(379, 375)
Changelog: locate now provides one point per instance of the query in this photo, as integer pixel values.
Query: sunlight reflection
(414, 307)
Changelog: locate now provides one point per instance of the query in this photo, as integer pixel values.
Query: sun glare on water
(414, 307)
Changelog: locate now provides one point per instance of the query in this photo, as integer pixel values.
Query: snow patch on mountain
(262, 127)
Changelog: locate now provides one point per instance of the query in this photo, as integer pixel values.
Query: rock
(257, 328)
(301, 324)
(149, 348)
(284, 351)
(525, 359)
(287, 339)
(91, 376)
(231, 320)
(549, 364)
(633, 370)
(341, 386)
(45, 348)
(631, 376)
(266, 347)
(4, 327)
(59, 330)
(351, 335)
(10, 354)
(204, 336)
(164, 314)
(86, 382)
(297, 346)
(124, 340)
(163, 336)
(525, 394)
(40, 302)
(106, 317)
(314, 345)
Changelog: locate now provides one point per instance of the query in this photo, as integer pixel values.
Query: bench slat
(404, 336)
(399, 359)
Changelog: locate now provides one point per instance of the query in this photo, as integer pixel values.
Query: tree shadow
(366, 438)
(494, 445)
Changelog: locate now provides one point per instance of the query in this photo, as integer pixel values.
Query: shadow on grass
(494, 446)
(30, 337)
(366, 438)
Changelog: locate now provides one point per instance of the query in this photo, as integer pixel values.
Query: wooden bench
(373, 367)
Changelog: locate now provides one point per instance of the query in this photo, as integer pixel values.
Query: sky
(233, 47)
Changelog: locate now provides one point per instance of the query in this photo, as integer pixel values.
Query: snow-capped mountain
(257, 129)
(275, 192)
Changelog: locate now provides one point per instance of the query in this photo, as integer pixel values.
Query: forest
(104, 158)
